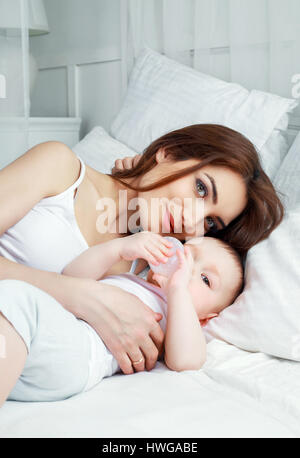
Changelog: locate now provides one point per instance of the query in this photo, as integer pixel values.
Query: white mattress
(236, 394)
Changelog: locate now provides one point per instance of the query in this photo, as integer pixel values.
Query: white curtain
(255, 43)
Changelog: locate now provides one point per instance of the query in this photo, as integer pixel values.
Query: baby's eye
(201, 188)
(205, 280)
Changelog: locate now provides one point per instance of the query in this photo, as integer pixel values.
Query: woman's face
(207, 199)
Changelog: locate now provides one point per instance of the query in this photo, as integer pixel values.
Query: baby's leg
(55, 341)
(13, 353)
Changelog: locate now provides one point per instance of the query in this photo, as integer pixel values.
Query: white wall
(80, 68)
(81, 64)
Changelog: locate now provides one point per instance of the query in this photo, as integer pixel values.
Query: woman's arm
(60, 287)
(185, 346)
(47, 170)
(124, 330)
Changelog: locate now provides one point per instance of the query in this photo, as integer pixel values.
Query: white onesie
(102, 363)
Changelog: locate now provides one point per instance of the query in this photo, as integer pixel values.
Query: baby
(208, 278)
(66, 356)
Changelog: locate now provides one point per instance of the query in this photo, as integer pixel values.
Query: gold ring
(139, 361)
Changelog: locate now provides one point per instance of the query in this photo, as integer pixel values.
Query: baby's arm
(185, 346)
(97, 260)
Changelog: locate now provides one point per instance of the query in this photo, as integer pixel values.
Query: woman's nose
(194, 218)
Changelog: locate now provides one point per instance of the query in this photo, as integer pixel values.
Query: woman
(49, 216)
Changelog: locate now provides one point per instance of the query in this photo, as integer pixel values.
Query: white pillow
(287, 180)
(164, 95)
(274, 151)
(99, 150)
(266, 316)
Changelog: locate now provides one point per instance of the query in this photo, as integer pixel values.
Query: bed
(249, 386)
(237, 394)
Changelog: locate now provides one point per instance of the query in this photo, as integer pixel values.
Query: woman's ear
(206, 320)
(161, 156)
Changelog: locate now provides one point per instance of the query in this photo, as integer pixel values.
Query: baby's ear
(206, 320)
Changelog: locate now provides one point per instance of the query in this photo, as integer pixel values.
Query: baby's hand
(182, 276)
(146, 245)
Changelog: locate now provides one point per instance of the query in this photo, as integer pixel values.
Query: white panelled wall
(83, 61)
(81, 70)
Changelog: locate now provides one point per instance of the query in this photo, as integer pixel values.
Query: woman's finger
(119, 164)
(137, 361)
(125, 363)
(123, 329)
(136, 160)
(152, 347)
(128, 163)
(157, 336)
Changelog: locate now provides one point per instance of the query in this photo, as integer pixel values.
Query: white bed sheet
(236, 394)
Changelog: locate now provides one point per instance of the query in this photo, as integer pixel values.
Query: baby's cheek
(200, 295)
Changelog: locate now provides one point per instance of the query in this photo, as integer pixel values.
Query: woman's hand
(126, 164)
(128, 327)
(145, 245)
(182, 276)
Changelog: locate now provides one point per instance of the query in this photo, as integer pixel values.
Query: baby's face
(215, 277)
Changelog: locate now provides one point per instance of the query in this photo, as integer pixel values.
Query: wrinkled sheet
(236, 394)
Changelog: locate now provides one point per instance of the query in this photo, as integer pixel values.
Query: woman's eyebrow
(215, 197)
(214, 188)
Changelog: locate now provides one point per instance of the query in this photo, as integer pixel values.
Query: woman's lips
(168, 222)
(172, 222)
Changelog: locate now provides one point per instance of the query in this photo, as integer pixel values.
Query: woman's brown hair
(217, 145)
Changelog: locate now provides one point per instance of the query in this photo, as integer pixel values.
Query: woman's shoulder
(52, 166)
(59, 163)
(43, 171)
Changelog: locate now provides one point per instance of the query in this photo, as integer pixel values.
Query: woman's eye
(211, 224)
(201, 188)
(205, 279)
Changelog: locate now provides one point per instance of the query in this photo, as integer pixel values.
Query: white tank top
(48, 236)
